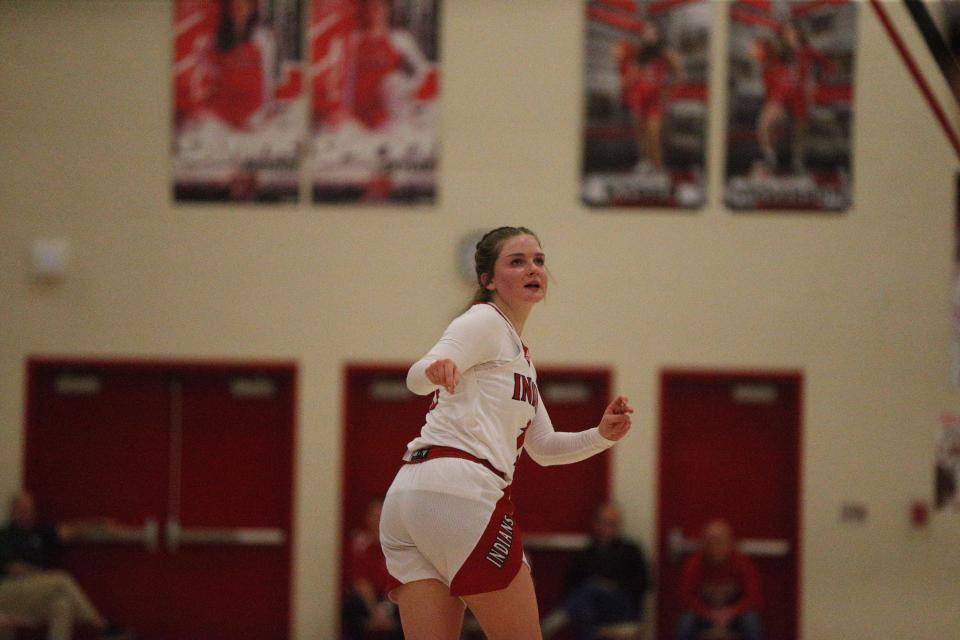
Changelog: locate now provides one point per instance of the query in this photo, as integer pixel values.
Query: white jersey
(496, 409)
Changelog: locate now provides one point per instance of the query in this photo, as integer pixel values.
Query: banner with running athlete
(644, 138)
(375, 95)
(790, 104)
(239, 117)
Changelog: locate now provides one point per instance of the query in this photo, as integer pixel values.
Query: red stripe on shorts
(496, 559)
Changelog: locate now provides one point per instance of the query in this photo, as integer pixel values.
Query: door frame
(792, 376)
(36, 363)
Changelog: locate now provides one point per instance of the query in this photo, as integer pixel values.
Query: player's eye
(540, 261)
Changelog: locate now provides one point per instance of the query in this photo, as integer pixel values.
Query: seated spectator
(366, 610)
(9, 623)
(31, 591)
(606, 582)
(719, 590)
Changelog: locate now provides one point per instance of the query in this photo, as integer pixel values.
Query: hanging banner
(955, 302)
(947, 469)
(790, 104)
(644, 136)
(375, 94)
(239, 118)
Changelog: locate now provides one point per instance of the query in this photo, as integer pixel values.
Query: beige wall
(859, 302)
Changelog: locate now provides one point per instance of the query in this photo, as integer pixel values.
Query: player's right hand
(444, 373)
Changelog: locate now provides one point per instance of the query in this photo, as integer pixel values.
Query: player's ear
(485, 280)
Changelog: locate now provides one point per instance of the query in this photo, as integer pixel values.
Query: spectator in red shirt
(366, 611)
(719, 589)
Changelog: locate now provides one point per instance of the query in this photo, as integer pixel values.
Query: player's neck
(516, 315)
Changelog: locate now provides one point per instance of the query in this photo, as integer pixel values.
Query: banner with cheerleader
(374, 66)
(955, 297)
(790, 104)
(239, 118)
(946, 488)
(644, 138)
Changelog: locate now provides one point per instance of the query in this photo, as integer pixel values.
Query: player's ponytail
(485, 257)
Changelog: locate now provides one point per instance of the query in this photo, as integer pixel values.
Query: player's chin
(535, 294)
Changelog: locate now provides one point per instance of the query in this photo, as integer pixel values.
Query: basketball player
(234, 83)
(377, 53)
(787, 64)
(449, 531)
(645, 73)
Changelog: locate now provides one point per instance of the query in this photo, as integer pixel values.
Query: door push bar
(148, 535)
(178, 536)
(556, 541)
(678, 546)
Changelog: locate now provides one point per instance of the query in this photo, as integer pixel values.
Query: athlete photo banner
(374, 68)
(955, 301)
(790, 104)
(239, 118)
(644, 137)
(946, 489)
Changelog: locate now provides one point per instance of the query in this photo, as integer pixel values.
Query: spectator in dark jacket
(32, 592)
(606, 582)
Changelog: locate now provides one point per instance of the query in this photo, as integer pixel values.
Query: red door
(203, 456)
(96, 445)
(227, 536)
(729, 449)
(382, 416)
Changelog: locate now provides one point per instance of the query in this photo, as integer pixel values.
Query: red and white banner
(790, 106)
(239, 116)
(374, 91)
(955, 298)
(947, 467)
(644, 139)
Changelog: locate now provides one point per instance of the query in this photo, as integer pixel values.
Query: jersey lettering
(525, 389)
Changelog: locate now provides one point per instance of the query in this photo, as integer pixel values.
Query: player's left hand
(615, 422)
